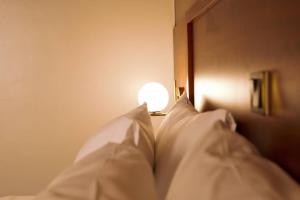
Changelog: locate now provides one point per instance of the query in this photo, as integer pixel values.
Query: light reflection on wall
(187, 87)
(219, 91)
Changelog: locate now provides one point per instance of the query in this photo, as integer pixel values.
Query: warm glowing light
(220, 91)
(187, 87)
(155, 95)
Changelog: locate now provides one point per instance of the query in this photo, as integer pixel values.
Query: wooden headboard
(226, 41)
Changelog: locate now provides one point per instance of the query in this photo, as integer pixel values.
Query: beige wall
(67, 67)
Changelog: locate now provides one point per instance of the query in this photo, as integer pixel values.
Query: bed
(195, 155)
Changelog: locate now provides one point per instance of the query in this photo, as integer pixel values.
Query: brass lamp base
(157, 113)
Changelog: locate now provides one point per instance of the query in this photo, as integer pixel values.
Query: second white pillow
(179, 130)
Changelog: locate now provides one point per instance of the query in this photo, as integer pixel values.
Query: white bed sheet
(17, 198)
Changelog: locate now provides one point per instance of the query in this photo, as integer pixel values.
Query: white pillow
(179, 130)
(137, 121)
(120, 167)
(224, 166)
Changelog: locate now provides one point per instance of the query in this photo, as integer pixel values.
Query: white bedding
(198, 156)
(17, 198)
(225, 166)
(114, 164)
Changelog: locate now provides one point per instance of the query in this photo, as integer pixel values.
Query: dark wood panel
(234, 38)
(191, 82)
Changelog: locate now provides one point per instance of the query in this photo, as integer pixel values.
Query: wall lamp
(260, 92)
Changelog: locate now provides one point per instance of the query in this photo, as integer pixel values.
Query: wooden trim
(199, 8)
(190, 41)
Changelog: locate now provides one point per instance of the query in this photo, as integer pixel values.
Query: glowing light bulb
(155, 95)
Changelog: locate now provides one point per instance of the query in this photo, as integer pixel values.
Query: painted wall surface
(66, 68)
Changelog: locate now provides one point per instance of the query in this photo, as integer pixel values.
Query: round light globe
(155, 95)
